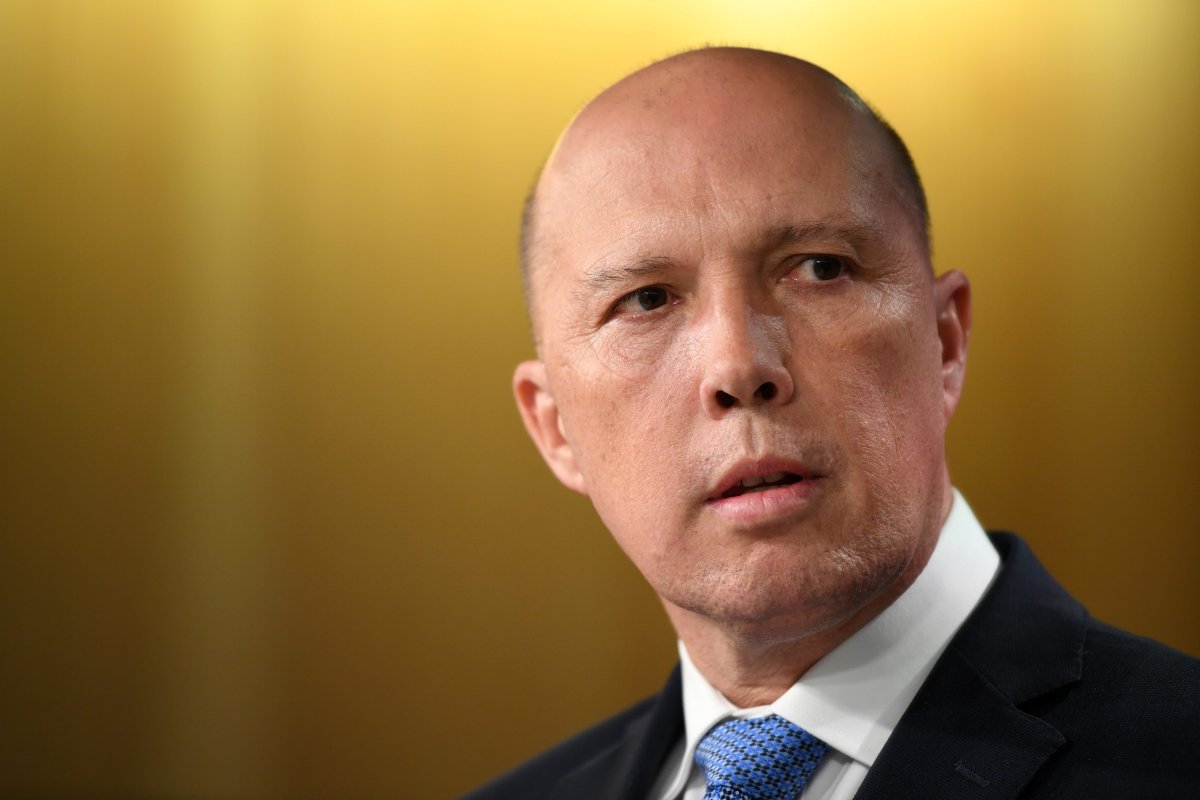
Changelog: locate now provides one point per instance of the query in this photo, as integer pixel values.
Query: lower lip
(772, 505)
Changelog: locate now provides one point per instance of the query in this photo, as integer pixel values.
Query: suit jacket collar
(629, 768)
(965, 734)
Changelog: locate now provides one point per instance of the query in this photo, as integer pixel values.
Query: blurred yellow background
(270, 525)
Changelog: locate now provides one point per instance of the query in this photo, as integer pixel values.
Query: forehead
(701, 132)
(651, 184)
(698, 156)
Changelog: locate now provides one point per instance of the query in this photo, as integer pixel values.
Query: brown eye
(651, 297)
(825, 268)
(645, 299)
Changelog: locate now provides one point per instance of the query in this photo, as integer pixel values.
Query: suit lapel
(629, 768)
(960, 739)
(966, 735)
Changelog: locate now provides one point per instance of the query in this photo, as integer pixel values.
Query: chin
(786, 595)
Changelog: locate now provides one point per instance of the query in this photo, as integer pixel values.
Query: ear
(539, 411)
(952, 294)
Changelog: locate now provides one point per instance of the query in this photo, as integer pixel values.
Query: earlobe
(952, 294)
(539, 412)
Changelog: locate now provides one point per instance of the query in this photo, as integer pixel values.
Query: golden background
(271, 527)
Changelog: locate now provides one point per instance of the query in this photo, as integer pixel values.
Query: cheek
(886, 398)
(625, 409)
(625, 427)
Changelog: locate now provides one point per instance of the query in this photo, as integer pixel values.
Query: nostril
(767, 390)
(725, 400)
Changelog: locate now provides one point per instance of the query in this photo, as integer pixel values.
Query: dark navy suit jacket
(1032, 699)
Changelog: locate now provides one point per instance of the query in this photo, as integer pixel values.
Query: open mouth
(761, 483)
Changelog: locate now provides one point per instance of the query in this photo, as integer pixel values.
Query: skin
(729, 278)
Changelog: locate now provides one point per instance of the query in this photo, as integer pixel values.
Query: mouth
(765, 492)
(758, 476)
(760, 483)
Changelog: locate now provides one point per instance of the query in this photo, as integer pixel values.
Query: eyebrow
(603, 276)
(855, 233)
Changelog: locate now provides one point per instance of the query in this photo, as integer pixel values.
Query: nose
(744, 362)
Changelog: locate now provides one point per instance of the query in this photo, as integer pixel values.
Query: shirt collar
(853, 698)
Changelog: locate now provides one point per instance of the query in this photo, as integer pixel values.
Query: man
(747, 364)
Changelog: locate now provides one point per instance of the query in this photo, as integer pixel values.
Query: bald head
(729, 272)
(709, 103)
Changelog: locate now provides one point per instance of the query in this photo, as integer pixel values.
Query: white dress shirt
(853, 697)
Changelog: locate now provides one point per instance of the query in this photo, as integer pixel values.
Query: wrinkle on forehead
(721, 110)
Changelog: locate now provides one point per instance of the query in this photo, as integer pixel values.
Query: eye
(639, 301)
(823, 268)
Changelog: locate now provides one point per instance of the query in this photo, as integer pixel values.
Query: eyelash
(845, 267)
(616, 308)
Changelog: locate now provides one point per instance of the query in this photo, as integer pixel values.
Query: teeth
(750, 483)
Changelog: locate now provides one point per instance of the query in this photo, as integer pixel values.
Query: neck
(754, 668)
(754, 663)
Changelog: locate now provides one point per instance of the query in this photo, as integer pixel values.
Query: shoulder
(619, 757)
(1127, 707)
(1132, 721)
(536, 777)
(1140, 683)
(1027, 623)
(1132, 660)
(1111, 659)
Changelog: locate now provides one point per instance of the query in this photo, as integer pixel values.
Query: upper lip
(758, 468)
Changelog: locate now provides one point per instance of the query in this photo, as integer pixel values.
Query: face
(745, 361)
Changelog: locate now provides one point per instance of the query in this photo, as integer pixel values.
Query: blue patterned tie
(766, 758)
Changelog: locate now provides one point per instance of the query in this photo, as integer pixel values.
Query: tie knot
(765, 758)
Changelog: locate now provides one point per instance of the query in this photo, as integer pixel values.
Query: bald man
(746, 362)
